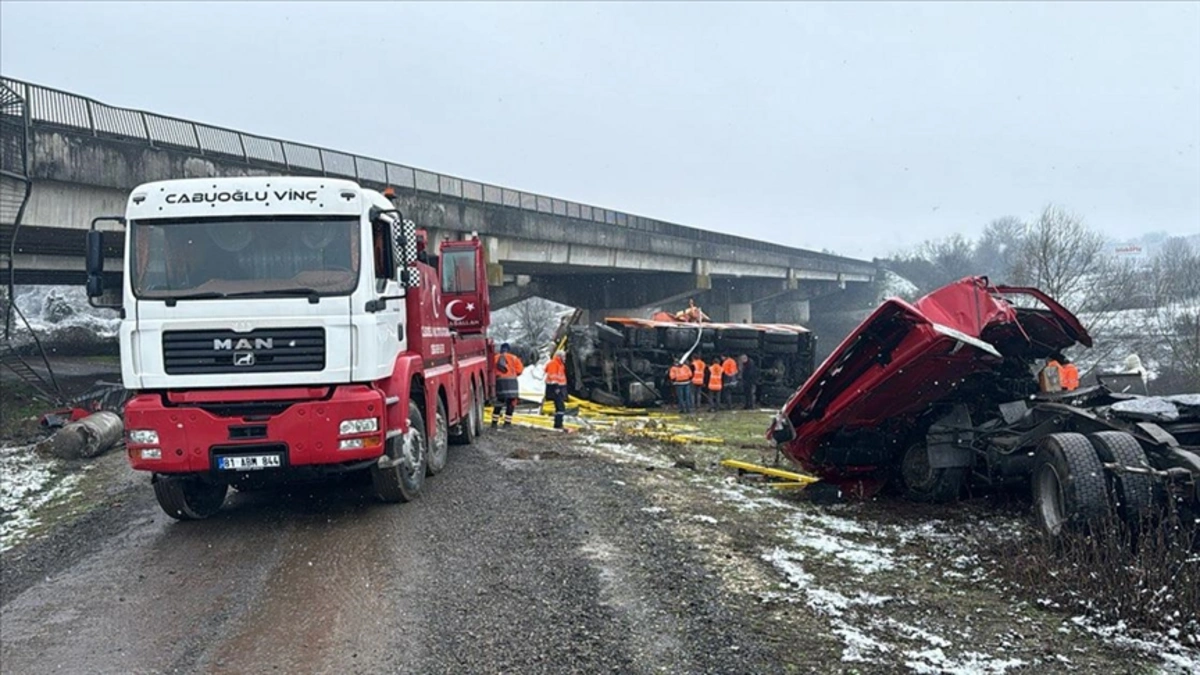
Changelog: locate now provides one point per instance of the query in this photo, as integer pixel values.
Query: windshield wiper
(314, 296)
(171, 300)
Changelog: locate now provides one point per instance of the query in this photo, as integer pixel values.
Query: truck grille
(267, 350)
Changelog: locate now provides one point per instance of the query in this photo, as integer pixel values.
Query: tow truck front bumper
(242, 431)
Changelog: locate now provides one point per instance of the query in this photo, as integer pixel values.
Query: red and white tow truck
(276, 328)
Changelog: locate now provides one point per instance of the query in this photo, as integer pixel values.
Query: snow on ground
(27, 483)
(831, 563)
(623, 453)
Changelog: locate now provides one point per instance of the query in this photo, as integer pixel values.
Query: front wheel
(189, 497)
(402, 474)
(923, 483)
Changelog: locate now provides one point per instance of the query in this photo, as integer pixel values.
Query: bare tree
(1065, 258)
(1062, 256)
(1174, 323)
(536, 320)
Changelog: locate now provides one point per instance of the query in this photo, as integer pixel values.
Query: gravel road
(503, 565)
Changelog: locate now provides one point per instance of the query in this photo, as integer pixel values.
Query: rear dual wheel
(1069, 488)
(468, 427)
(439, 441)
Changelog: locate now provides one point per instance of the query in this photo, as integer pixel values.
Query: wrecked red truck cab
(944, 390)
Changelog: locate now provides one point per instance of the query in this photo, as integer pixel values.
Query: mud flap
(949, 440)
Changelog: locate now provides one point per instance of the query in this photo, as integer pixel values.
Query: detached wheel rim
(1051, 503)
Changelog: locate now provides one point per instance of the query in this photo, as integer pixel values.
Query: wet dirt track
(502, 565)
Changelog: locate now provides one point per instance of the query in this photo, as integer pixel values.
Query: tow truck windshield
(267, 257)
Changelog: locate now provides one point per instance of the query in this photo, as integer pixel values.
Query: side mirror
(95, 253)
(95, 262)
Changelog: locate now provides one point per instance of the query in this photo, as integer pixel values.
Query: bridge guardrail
(55, 108)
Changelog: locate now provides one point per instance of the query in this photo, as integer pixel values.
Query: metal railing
(54, 108)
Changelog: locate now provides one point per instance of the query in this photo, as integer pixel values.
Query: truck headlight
(350, 444)
(143, 436)
(151, 453)
(363, 426)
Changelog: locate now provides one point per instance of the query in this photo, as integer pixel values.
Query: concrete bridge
(67, 159)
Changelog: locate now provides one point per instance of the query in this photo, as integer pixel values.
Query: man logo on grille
(244, 359)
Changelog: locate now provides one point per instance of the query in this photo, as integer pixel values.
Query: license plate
(250, 462)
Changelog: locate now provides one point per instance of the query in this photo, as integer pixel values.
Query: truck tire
(189, 497)
(780, 337)
(479, 399)
(739, 333)
(640, 336)
(609, 335)
(464, 432)
(1134, 493)
(403, 481)
(780, 348)
(738, 344)
(606, 398)
(1069, 490)
(439, 440)
(680, 339)
(923, 483)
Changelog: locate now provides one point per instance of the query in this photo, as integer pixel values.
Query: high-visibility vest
(729, 367)
(508, 366)
(714, 377)
(681, 374)
(698, 372)
(556, 372)
(1069, 376)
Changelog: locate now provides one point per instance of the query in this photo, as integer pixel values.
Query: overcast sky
(861, 128)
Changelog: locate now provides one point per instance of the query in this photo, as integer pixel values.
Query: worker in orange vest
(715, 372)
(556, 386)
(508, 366)
(681, 380)
(698, 370)
(729, 379)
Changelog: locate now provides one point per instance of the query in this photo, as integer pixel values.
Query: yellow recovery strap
(791, 479)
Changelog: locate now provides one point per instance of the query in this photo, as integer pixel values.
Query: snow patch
(1176, 658)
(27, 483)
(626, 453)
(935, 662)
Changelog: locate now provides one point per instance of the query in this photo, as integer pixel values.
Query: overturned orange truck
(624, 360)
(950, 391)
